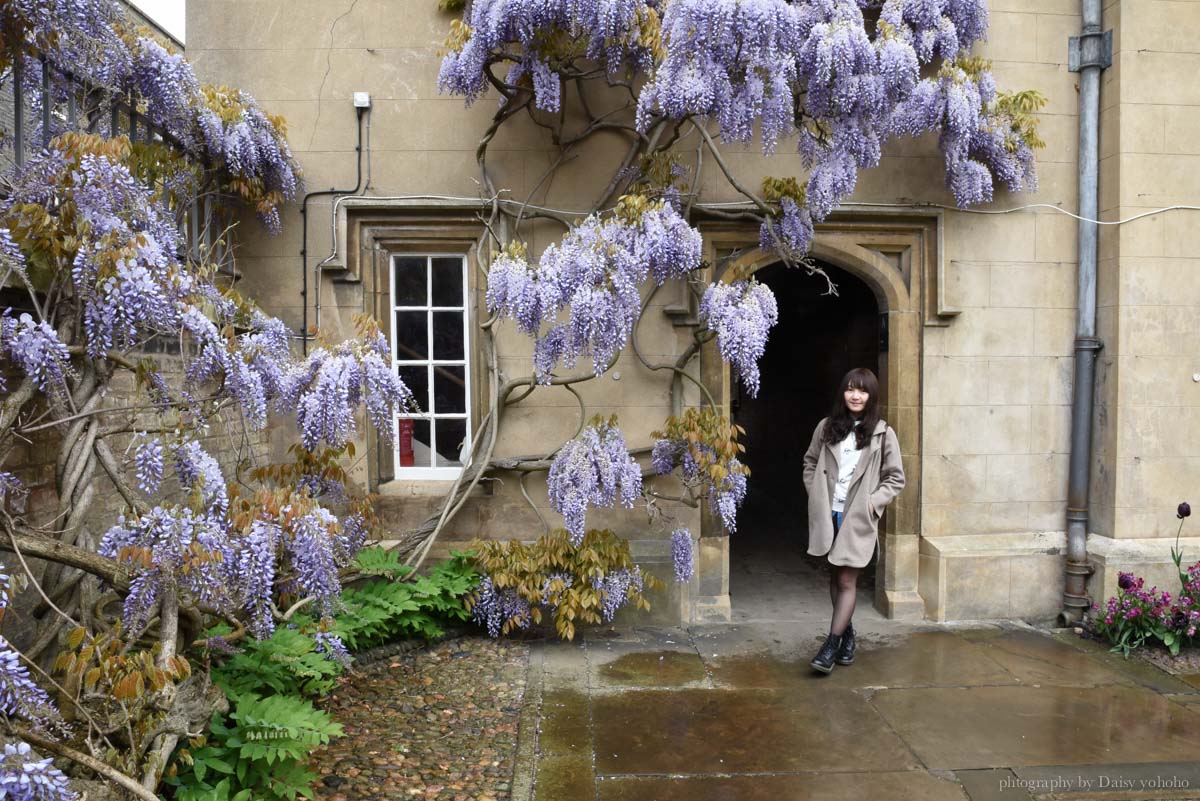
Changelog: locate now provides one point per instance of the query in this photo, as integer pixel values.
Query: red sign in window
(406, 449)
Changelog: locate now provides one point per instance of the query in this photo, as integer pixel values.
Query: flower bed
(1136, 616)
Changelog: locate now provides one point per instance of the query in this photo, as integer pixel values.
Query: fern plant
(380, 611)
(288, 662)
(379, 561)
(257, 751)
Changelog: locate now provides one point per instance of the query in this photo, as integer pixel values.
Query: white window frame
(429, 472)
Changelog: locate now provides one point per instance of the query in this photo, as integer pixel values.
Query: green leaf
(378, 561)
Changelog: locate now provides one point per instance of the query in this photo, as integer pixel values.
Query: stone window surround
(370, 232)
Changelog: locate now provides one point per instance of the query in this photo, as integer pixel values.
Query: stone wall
(33, 462)
(1148, 414)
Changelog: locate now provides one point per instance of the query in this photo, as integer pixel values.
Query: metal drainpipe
(1088, 54)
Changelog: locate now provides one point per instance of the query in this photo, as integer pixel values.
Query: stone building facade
(968, 317)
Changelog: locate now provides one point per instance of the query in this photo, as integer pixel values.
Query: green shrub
(257, 751)
(286, 663)
(380, 611)
(584, 584)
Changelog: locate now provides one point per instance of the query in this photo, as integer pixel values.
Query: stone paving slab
(988, 727)
(741, 731)
(797, 787)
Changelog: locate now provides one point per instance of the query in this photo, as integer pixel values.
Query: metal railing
(65, 100)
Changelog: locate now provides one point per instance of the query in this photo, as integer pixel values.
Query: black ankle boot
(845, 652)
(823, 661)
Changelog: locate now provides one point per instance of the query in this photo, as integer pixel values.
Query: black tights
(843, 590)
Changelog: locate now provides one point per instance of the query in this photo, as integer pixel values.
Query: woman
(852, 470)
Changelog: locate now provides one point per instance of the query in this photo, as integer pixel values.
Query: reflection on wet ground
(734, 713)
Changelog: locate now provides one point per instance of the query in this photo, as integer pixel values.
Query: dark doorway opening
(818, 338)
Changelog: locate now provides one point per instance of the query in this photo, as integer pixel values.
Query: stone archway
(896, 256)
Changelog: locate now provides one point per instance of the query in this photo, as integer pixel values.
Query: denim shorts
(838, 517)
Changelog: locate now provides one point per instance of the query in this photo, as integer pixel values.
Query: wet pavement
(733, 712)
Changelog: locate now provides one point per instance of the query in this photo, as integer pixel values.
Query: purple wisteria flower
(742, 314)
(20, 697)
(326, 390)
(148, 461)
(615, 587)
(35, 348)
(189, 554)
(726, 497)
(10, 487)
(313, 551)
(253, 570)
(553, 587)
(24, 777)
(683, 554)
(595, 275)
(609, 30)
(496, 606)
(793, 230)
(750, 65)
(594, 469)
(199, 472)
(333, 648)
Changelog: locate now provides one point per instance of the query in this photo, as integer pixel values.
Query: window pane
(412, 335)
(416, 378)
(447, 335)
(447, 282)
(413, 443)
(450, 437)
(410, 281)
(449, 389)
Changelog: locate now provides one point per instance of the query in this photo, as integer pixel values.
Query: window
(430, 346)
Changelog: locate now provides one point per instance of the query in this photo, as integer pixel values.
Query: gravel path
(437, 723)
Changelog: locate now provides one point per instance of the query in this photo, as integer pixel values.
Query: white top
(848, 454)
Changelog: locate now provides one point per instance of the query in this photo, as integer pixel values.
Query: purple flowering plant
(573, 582)
(90, 229)
(594, 469)
(703, 446)
(1136, 615)
(838, 78)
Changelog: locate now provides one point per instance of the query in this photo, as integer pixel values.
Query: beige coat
(877, 479)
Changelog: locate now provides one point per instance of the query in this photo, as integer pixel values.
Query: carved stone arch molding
(897, 256)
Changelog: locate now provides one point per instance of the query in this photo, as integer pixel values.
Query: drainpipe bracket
(1085, 569)
(1093, 49)
(1071, 601)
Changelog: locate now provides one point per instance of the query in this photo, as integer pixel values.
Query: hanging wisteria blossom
(683, 554)
(595, 274)
(615, 587)
(742, 314)
(496, 606)
(595, 469)
(34, 347)
(610, 29)
(149, 465)
(24, 777)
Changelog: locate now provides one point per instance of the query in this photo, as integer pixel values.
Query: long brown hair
(841, 422)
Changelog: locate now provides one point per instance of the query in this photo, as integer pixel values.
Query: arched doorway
(818, 338)
(895, 257)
